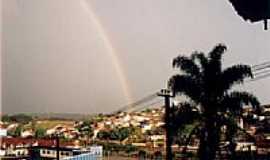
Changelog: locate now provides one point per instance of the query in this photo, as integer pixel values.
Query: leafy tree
(87, 123)
(129, 148)
(18, 118)
(104, 135)
(10, 133)
(16, 132)
(6, 118)
(40, 133)
(86, 130)
(123, 133)
(147, 110)
(208, 87)
(115, 134)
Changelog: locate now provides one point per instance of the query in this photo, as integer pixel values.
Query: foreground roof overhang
(253, 10)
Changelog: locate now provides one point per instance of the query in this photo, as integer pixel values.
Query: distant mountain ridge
(59, 116)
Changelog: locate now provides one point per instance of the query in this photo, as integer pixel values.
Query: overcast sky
(54, 58)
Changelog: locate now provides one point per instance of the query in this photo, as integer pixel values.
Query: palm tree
(208, 87)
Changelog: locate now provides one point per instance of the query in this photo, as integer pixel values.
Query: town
(135, 134)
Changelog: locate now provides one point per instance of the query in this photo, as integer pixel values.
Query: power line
(259, 77)
(261, 64)
(258, 67)
(149, 105)
(265, 73)
(262, 72)
(138, 102)
(261, 68)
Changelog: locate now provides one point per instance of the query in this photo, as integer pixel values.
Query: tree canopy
(208, 89)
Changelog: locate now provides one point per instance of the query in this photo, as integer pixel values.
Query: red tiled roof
(29, 141)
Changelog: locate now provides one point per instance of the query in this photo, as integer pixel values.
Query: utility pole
(167, 95)
(57, 146)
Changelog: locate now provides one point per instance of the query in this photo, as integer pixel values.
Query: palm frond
(208, 86)
(187, 85)
(246, 98)
(184, 113)
(235, 75)
(217, 52)
(215, 58)
(186, 64)
(234, 101)
(201, 58)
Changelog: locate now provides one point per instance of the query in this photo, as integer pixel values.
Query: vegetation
(15, 132)
(147, 110)
(114, 147)
(85, 129)
(17, 118)
(208, 89)
(40, 133)
(116, 134)
(47, 124)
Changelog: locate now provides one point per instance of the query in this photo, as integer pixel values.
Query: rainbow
(109, 47)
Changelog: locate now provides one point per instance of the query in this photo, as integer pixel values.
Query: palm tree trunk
(209, 140)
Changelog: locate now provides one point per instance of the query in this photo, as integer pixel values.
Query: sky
(92, 56)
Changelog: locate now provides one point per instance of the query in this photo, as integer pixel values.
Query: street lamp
(167, 94)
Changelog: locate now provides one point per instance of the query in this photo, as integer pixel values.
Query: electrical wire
(259, 70)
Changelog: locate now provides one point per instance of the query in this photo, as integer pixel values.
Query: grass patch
(47, 124)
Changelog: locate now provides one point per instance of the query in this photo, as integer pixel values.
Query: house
(12, 126)
(50, 131)
(15, 146)
(158, 140)
(157, 137)
(266, 108)
(49, 152)
(46, 148)
(3, 132)
(146, 127)
(27, 133)
(245, 146)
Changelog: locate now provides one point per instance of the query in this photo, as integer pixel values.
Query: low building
(51, 152)
(27, 133)
(44, 148)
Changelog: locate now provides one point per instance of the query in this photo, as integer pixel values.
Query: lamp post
(167, 94)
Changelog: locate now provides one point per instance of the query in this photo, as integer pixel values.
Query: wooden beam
(265, 24)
